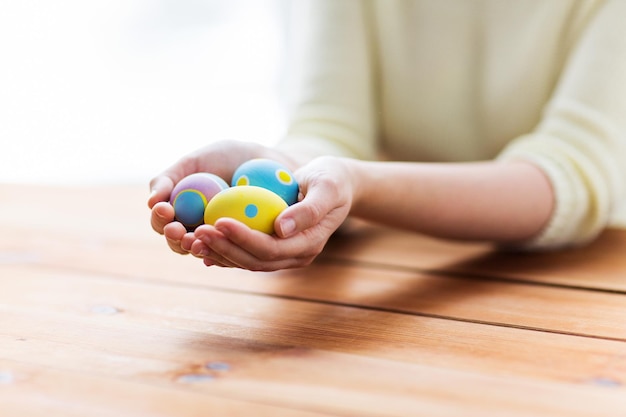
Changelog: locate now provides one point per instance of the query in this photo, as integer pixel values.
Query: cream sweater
(457, 80)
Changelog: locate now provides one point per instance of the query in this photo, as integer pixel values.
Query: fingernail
(159, 213)
(287, 227)
(151, 197)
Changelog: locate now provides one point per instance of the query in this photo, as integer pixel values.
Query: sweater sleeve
(580, 143)
(329, 80)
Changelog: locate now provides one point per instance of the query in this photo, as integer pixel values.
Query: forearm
(497, 201)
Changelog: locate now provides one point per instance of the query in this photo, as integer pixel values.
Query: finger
(162, 214)
(202, 250)
(320, 199)
(174, 233)
(160, 189)
(237, 249)
(199, 249)
(211, 262)
(162, 185)
(254, 250)
(215, 259)
(219, 261)
(221, 250)
(187, 241)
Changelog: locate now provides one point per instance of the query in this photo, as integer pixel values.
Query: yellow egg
(254, 206)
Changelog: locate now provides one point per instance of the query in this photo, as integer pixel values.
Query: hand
(302, 229)
(220, 158)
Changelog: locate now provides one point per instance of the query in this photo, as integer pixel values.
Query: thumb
(160, 189)
(318, 202)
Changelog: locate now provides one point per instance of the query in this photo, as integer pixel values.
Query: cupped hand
(220, 158)
(302, 229)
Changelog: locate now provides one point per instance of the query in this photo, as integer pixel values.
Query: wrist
(356, 176)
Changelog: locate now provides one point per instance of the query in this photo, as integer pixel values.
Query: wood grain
(289, 352)
(97, 317)
(595, 266)
(49, 391)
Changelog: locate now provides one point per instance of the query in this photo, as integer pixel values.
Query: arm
(574, 161)
(580, 143)
(502, 202)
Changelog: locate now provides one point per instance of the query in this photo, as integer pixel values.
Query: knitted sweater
(453, 80)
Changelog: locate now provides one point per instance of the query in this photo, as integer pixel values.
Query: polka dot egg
(191, 195)
(267, 174)
(254, 206)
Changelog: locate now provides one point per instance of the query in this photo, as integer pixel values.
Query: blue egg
(270, 175)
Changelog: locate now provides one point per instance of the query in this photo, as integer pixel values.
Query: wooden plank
(65, 225)
(142, 313)
(35, 391)
(599, 265)
(132, 255)
(554, 309)
(290, 354)
(43, 391)
(564, 310)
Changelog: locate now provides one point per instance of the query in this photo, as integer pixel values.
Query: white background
(109, 91)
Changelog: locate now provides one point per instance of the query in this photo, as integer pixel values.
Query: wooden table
(99, 318)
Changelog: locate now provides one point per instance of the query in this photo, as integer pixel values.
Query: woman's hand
(302, 230)
(220, 158)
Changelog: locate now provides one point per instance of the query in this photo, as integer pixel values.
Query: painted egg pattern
(256, 207)
(191, 195)
(267, 174)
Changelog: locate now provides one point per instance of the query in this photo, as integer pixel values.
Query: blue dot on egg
(251, 210)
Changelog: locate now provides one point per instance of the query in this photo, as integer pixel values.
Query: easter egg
(191, 195)
(254, 206)
(267, 174)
